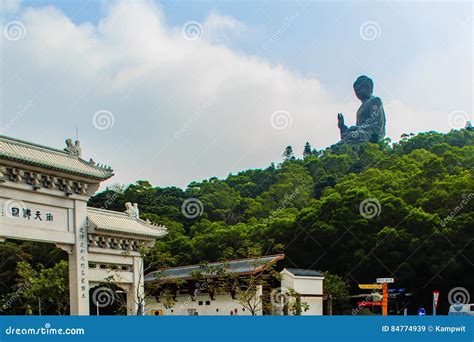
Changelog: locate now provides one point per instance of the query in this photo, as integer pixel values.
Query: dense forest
(402, 210)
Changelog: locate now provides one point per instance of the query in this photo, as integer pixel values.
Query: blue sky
(254, 58)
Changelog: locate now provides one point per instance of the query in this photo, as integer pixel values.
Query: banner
(238, 329)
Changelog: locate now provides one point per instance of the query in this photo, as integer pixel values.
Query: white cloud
(183, 109)
(218, 28)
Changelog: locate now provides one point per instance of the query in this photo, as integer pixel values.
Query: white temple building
(200, 297)
(308, 284)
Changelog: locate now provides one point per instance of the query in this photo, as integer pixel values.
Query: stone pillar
(136, 294)
(78, 263)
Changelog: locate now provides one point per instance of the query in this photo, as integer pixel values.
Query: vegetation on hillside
(360, 212)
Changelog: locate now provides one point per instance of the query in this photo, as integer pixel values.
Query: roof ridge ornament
(132, 210)
(100, 166)
(74, 149)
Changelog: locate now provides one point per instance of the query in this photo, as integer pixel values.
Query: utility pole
(330, 304)
(384, 282)
(384, 299)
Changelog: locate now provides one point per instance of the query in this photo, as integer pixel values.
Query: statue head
(363, 87)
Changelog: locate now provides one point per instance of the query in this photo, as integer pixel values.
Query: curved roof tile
(121, 223)
(50, 158)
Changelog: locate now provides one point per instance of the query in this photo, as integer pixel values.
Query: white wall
(222, 305)
(306, 285)
(225, 303)
(315, 306)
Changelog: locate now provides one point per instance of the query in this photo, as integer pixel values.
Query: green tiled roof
(304, 273)
(108, 221)
(238, 267)
(50, 158)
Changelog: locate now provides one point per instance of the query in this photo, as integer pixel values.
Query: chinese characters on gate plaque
(29, 214)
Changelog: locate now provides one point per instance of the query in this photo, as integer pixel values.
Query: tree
(249, 289)
(43, 286)
(337, 287)
(288, 154)
(295, 305)
(307, 150)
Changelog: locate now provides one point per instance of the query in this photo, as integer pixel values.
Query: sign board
(370, 286)
(396, 292)
(32, 215)
(385, 280)
(421, 312)
(435, 298)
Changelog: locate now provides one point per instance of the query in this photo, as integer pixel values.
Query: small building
(308, 284)
(238, 287)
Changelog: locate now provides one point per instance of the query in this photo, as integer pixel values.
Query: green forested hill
(402, 211)
(421, 189)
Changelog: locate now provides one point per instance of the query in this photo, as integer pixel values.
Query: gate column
(136, 294)
(78, 263)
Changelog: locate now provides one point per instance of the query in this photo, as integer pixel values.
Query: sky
(181, 91)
